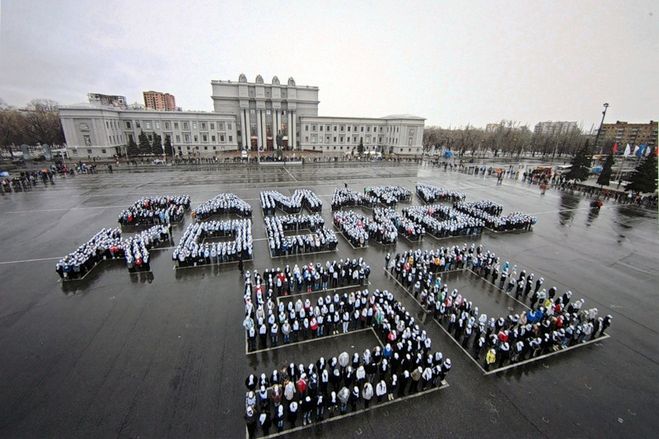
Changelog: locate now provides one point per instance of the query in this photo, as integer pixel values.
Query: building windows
(103, 151)
(368, 129)
(147, 124)
(176, 125)
(89, 151)
(343, 127)
(205, 148)
(212, 126)
(230, 138)
(196, 138)
(137, 124)
(229, 126)
(306, 128)
(313, 127)
(306, 139)
(107, 124)
(334, 127)
(213, 138)
(166, 125)
(128, 125)
(204, 138)
(321, 128)
(362, 129)
(203, 125)
(186, 137)
(341, 139)
(221, 137)
(194, 125)
(149, 136)
(157, 125)
(334, 139)
(186, 126)
(178, 138)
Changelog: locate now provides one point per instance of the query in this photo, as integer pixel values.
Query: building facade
(632, 133)
(268, 113)
(551, 128)
(396, 134)
(104, 132)
(156, 100)
(280, 115)
(247, 115)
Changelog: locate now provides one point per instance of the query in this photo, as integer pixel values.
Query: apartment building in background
(159, 101)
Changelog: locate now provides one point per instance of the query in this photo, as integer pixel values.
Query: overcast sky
(451, 62)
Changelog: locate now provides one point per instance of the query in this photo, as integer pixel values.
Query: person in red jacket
(301, 384)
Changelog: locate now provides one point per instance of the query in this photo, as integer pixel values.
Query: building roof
(403, 116)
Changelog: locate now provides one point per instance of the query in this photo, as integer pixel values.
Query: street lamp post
(599, 130)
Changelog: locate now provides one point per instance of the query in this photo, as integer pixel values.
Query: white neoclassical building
(103, 132)
(286, 115)
(247, 115)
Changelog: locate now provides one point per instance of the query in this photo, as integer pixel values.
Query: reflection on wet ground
(162, 354)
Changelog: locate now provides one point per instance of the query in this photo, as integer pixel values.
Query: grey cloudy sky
(451, 62)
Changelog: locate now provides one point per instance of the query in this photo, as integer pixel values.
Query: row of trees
(508, 138)
(37, 122)
(643, 179)
(146, 147)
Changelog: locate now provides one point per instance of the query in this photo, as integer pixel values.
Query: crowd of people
(443, 221)
(406, 364)
(271, 200)
(108, 244)
(358, 229)
(310, 277)
(490, 214)
(148, 211)
(276, 324)
(136, 248)
(553, 321)
(221, 204)
(319, 238)
(405, 226)
(431, 194)
(26, 180)
(388, 195)
(346, 197)
(192, 250)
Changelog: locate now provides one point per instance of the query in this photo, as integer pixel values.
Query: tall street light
(599, 130)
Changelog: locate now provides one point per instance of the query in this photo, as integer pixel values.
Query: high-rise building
(632, 133)
(555, 127)
(156, 100)
(116, 101)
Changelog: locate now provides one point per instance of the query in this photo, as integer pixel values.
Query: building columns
(294, 131)
(274, 129)
(289, 127)
(243, 128)
(259, 135)
(248, 133)
(264, 129)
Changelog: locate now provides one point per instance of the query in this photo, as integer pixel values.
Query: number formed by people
(293, 305)
(546, 323)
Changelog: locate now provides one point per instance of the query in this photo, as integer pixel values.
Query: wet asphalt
(163, 354)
